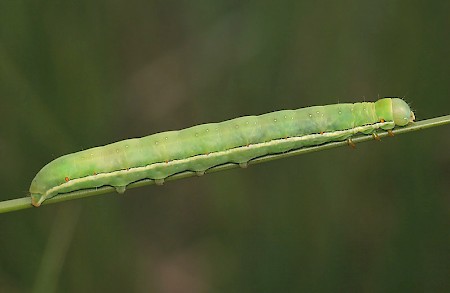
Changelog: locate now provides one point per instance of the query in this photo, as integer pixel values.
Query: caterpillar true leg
(376, 136)
(351, 143)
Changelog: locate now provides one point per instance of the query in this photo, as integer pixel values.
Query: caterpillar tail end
(37, 199)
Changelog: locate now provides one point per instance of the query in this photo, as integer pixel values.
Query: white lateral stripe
(71, 182)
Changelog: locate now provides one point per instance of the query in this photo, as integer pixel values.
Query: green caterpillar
(201, 147)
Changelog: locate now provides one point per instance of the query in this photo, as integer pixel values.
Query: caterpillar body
(201, 147)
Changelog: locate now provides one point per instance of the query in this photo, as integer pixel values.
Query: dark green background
(78, 74)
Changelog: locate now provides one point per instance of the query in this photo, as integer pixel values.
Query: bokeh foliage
(79, 74)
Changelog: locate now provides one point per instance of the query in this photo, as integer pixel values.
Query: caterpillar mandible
(201, 147)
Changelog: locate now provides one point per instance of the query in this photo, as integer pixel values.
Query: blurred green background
(78, 74)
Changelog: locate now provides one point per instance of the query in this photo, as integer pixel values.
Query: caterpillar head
(402, 112)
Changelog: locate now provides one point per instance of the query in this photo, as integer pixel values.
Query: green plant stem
(24, 203)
